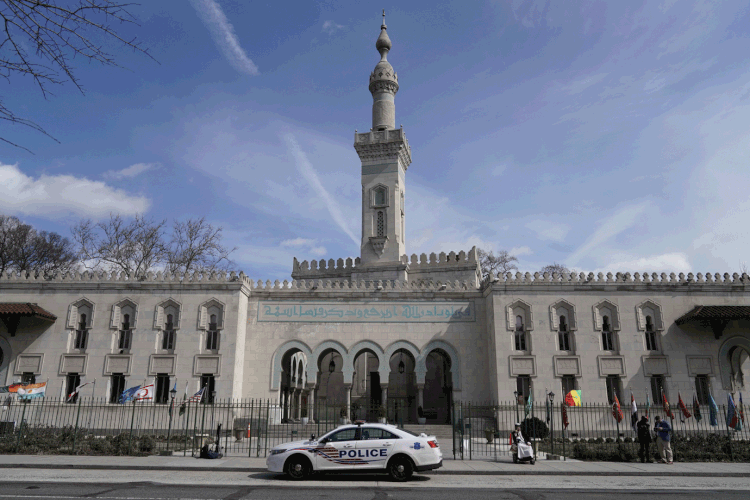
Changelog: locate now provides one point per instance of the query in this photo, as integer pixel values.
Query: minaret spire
(383, 85)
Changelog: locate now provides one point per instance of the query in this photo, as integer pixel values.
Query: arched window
(379, 200)
(126, 334)
(212, 334)
(650, 335)
(381, 224)
(563, 335)
(168, 338)
(520, 334)
(607, 337)
(81, 333)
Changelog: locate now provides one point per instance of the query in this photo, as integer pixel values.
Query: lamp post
(331, 369)
(515, 393)
(172, 394)
(551, 396)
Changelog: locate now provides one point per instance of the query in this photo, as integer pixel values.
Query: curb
(431, 473)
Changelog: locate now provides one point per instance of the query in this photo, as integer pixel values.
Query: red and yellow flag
(617, 411)
(682, 407)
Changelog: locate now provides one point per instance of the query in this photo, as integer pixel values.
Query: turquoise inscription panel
(366, 312)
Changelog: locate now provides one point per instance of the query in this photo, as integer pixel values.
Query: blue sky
(609, 136)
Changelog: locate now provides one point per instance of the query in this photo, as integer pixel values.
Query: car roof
(377, 425)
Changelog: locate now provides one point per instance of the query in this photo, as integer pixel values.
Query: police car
(366, 447)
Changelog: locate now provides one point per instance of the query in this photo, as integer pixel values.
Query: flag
(171, 403)
(713, 411)
(32, 391)
(128, 394)
(12, 388)
(697, 409)
(573, 398)
(183, 405)
(633, 413)
(742, 410)
(70, 396)
(665, 405)
(681, 405)
(197, 397)
(529, 406)
(733, 419)
(548, 408)
(648, 404)
(616, 410)
(145, 393)
(564, 412)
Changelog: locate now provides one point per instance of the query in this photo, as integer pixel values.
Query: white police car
(358, 447)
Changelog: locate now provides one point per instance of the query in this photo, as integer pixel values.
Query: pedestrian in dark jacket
(644, 438)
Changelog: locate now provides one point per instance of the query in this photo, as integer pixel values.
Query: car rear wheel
(400, 469)
(297, 468)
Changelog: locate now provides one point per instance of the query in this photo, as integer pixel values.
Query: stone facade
(424, 330)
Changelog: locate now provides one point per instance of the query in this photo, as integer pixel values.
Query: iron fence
(591, 432)
(252, 427)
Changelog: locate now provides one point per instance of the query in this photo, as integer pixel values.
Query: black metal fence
(252, 427)
(591, 432)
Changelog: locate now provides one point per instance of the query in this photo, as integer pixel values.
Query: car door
(339, 451)
(375, 446)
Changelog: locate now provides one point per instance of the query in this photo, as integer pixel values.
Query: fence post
(187, 422)
(729, 434)
(20, 427)
(78, 414)
(132, 421)
(563, 432)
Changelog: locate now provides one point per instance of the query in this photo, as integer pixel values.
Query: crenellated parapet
(324, 269)
(120, 277)
(374, 286)
(463, 266)
(620, 279)
(380, 145)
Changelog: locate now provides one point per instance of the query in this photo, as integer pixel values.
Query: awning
(12, 312)
(715, 317)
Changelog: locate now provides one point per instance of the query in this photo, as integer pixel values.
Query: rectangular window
(117, 387)
(28, 378)
(212, 340)
(568, 384)
(523, 386)
(613, 388)
(72, 381)
(167, 342)
(81, 338)
(657, 386)
(520, 340)
(702, 389)
(563, 340)
(651, 340)
(607, 340)
(162, 388)
(126, 339)
(209, 382)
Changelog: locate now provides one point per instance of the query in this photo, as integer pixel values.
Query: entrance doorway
(438, 388)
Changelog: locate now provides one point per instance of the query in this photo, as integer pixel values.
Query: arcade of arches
(367, 383)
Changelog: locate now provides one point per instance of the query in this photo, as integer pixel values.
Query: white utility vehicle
(366, 447)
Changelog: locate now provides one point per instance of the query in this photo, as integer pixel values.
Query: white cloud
(224, 36)
(677, 262)
(54, 196)
(308, 172)
(297, 242)
(318, 251)
(547, 230)
(498, 170)
(520, 251)
(330, 27)
(129, 172)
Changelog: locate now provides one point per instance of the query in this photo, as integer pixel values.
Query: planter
(239, 434)
(489, 435)
(383, 420)
(305, 420)
(342, 420)
(422, 420)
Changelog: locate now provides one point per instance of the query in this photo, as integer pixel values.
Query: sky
(606, 136)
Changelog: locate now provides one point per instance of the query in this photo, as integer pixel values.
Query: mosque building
(384, 328)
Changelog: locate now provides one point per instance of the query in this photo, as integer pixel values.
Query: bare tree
(40, 254)
(134, 247)
(492, 264)
(196, 246)
(556, 268)
(39, 39)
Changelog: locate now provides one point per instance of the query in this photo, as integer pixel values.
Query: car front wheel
(400, 469)
(297, 468)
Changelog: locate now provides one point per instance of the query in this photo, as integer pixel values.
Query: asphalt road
(149, 491)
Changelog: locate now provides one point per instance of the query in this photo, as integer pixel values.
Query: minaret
(385, 156)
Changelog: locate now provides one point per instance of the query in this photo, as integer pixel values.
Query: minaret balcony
(383, 144)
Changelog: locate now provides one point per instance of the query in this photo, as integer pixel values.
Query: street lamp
(551, 396)
(515, 393)
(172, 393)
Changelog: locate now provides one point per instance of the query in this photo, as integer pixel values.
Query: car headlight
(276, 452)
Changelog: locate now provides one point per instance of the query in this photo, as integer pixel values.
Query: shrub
(534, 427)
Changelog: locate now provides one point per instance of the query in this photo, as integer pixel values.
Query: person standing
(644, 438)
(663, 437)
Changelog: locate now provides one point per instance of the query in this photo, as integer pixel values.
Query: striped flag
(617, 410)
(198, 396)
(633, 413)
(665, 405)
(72, 394)
(681, 405)
(32, 391)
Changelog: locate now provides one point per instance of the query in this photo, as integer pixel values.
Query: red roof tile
(26, 309)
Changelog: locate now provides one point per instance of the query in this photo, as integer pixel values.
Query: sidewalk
(450, 467)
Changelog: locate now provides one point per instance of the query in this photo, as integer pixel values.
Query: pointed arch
(600, 310)
(649, 308)
(519, 308)
(411, 349)
(75, 309)
(562, 308)
(160, 314)
(117, 312)
(279, 354)
(348, 368)
(369, 345)
(725, 358)
(452, 354)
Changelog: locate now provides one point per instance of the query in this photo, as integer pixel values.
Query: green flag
(529, 406)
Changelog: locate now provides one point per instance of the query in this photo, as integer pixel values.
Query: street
(369, 488)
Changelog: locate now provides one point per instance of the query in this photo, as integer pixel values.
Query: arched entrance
(438, 387)
(402, 388)
(293, 381)
(367, 395)
(332, 393)
(740, 362)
